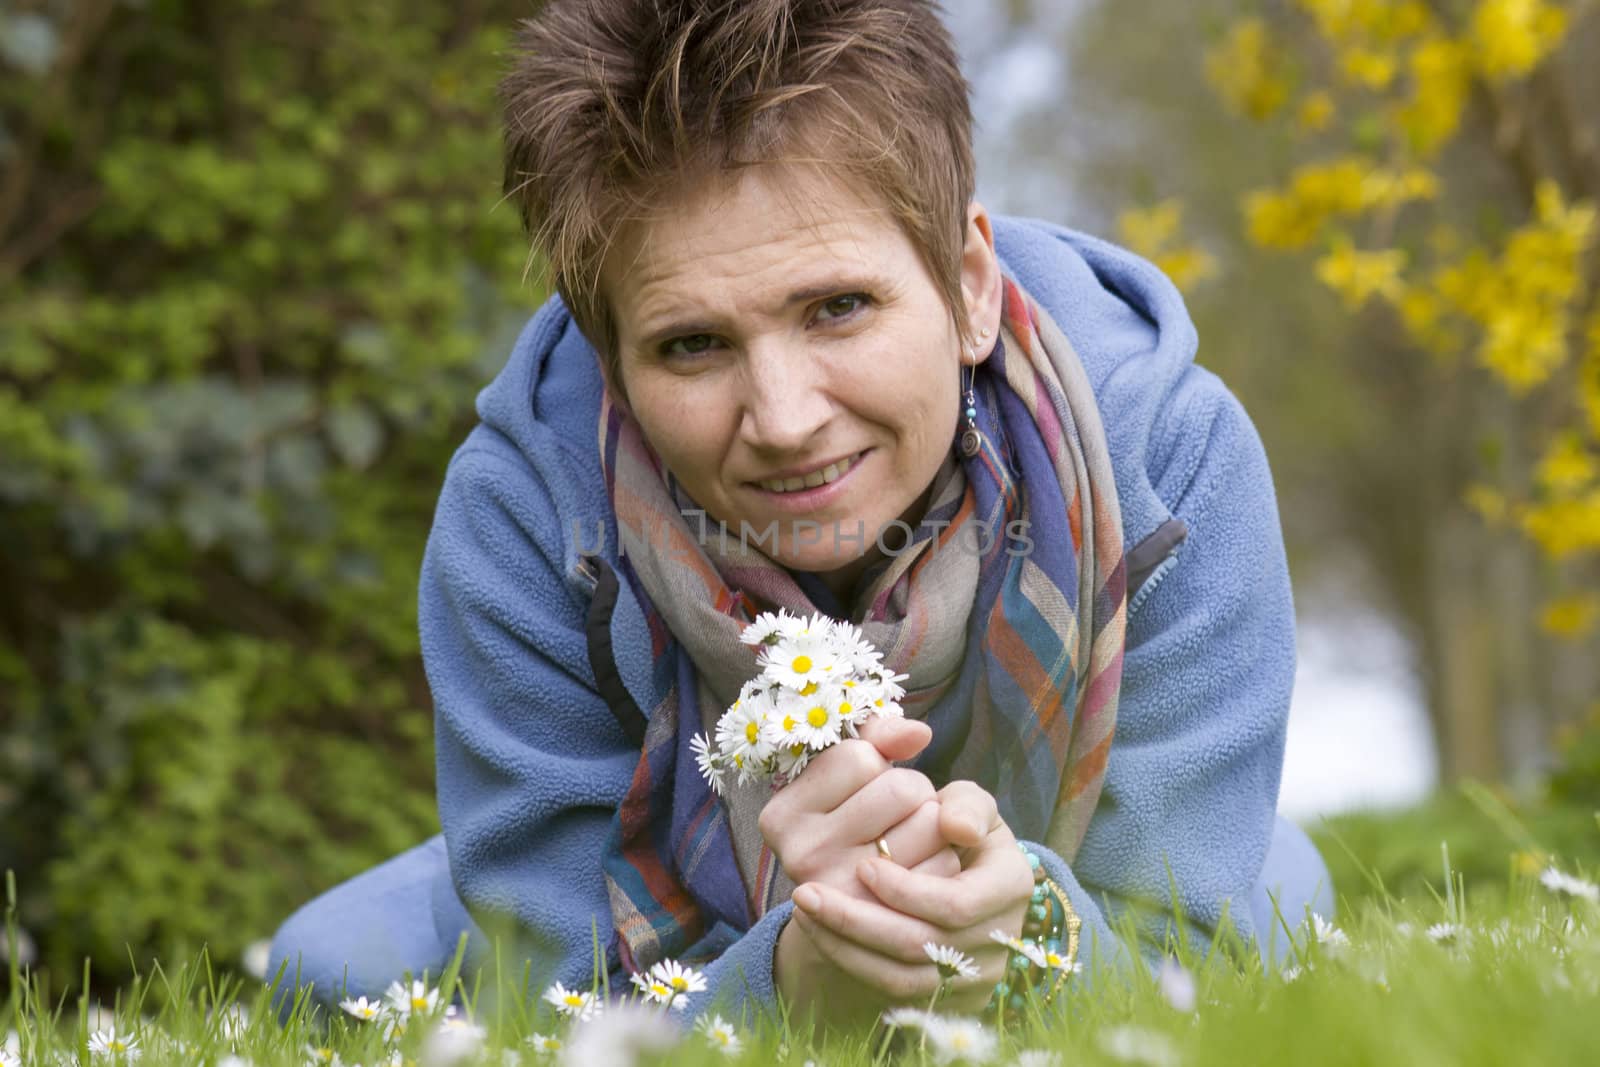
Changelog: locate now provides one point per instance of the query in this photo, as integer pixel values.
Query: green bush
(253, 270)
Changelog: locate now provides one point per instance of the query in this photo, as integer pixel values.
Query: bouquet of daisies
(820, 680)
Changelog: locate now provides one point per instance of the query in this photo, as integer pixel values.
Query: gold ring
(883, 850)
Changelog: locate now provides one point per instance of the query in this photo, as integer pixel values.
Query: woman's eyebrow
(689, 327)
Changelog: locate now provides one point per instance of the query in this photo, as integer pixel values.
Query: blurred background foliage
(253, 270)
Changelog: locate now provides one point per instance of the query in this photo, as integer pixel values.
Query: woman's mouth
(820, 477)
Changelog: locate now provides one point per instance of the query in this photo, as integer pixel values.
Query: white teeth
(832, 472)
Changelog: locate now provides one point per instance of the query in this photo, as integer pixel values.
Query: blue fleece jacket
(532, 765)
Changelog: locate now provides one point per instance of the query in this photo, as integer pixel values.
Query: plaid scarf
(1013, 645)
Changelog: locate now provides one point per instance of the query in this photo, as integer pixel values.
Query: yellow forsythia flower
(1511, 37)
(1570, 617)
(1316, 112)
(1152, 231)
(1367, 68)
(1359, 276)
(1567, 467)
(1487, 502)
(1441, 77)
(1246, 73)
(1565, 526)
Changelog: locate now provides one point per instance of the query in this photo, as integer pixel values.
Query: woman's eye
(692, 345)
(841, 307)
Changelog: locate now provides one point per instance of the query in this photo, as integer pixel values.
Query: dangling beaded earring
(972, 437)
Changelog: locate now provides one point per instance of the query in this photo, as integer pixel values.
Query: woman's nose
(784, 400)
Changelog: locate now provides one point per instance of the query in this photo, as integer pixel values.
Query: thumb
(896, 738)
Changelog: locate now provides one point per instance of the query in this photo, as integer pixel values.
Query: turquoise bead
(972, 413)
(1038, 894)
(1002, 989)
(1037, 911)
(1033, 861)
(1016, 1002)
(1019, 962)
(1053, 945)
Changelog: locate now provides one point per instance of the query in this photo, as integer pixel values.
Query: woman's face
(782, 330)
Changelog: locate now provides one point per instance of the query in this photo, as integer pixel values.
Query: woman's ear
(980, 281)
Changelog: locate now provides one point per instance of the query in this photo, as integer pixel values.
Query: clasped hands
(855, 942)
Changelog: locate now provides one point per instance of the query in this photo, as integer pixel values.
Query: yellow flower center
(720, 1036)
(680, 983)
(574, 1000)
(788, 723)
(801, 664)
(811, 687)
(845, 709)
(796, 750)
(419, 1003)
(817, 717)
(751, 732)
(660, 990)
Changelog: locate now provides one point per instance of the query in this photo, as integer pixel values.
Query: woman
(794, 364)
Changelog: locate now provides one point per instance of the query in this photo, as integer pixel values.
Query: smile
(822, 476)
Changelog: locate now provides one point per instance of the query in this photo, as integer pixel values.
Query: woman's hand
(825, 822)
(877, 944)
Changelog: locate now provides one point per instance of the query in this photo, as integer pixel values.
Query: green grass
(1519, 984)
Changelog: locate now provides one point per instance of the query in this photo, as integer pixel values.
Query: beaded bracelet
(1036, 957)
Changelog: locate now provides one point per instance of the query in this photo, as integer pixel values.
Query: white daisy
(573, 1003)
(9, 1058)
(1135, 1044)
(1038, 1057)
(1447, 933)
(1176, 985)
(1291, 973)
(651, 988)
(739, 733)
(1558, 881)
(111, 1043)
(709, 761)
(898, 1018)
(805, 657)
(455, 1040)
(1327, 934)
(625, 1033)
(230, 1060)
(770, 627)
(416, 997)
(817, 724)
(680, 979)
(362, 1008)
(791, 760)
(954, 1037)
(322, 1056)
(951, 962)
(544, 1044)
(853, 647)
(233, 1022)
(719, 1035)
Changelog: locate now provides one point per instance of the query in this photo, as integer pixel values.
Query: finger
(942, 864)
(996, 882)
(967, 814)
(831, 777)
(896, 738)
(885, 801)
(894, 979)
(885, 932)
(914, 839)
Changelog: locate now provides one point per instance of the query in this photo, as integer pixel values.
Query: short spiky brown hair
(612, 106)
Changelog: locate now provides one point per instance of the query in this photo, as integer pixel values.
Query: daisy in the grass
(362, 1008)
(417, 997)
(1558, 881)
(544, 1044)
(9, 1058)
(954, 1037)
(719, 1034)
(1135, 1044)
(900, 1018)
(1037, 1057)
(1326, 934)
(573, 1003)
(651, 988)
(1447, 933)
(681, 981)
(951, 962)
(322, 1056)
(112, 1044)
